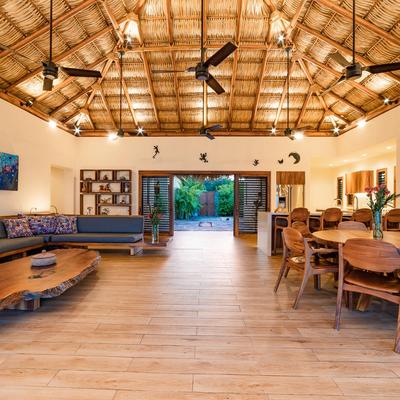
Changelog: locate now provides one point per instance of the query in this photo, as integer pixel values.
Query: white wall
(38, 147)
(322, 184)
(62, 189)
(224, 154)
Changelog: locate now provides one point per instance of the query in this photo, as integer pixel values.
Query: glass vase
(377, 232)
(155, 234)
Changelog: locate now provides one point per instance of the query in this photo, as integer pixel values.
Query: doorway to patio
(204, 203)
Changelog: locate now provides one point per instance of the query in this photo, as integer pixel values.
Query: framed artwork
(9, 164)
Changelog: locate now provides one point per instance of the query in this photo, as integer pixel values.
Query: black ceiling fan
(205, 131)
(50, 69)
(353, 70)
(201, 69)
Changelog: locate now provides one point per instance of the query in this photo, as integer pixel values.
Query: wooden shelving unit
(105, 192)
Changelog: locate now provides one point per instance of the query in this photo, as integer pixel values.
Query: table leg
(363, 302)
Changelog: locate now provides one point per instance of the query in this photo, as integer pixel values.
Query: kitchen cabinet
(356, 182)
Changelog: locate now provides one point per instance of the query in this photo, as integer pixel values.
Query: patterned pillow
(65, 224)
(17, 227)
(42, 225)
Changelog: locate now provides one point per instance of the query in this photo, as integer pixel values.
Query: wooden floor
(198, 321)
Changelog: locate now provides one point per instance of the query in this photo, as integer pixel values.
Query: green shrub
(212, 185)
(225, 199)
(187, 198)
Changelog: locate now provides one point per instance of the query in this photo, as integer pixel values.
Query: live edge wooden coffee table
(22, 286)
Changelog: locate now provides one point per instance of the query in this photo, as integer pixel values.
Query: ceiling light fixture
(112, 136)
(77, 130)
(140, 130)
(273, 130)
(388, 147)
(52, 123)
(336, 130)
(299, 135)
(362, 123)
(364, 155)
(281, 38)
(387, 101)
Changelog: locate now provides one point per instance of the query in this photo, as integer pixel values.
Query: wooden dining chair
(352, 226)
(299, 254)
(331, 218)
(363, 215)
(366, 266)
(299, 214)
(391, 221)
(302, 227)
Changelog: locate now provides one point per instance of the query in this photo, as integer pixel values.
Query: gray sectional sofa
(104, 230)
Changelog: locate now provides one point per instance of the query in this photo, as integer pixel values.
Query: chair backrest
(371, 255)
(362, 215)
(301, 227)
(352, 226)
(392, 217)
(293, 240)
(333, 214)
(300, 214)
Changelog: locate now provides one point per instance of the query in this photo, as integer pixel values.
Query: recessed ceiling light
(273, 130)
(386, 101)
(331, 165)
(345, 160)
(52, 123)
(140, 130)
(112, 136)
(389, 147)
(336, 130)
(281, 38)
(362, 123)
(298, 135)
(77, 130)
(364, 155)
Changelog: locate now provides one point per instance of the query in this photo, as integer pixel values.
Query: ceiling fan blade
(377, 69)
(83, 73)
(340, 59)
(341, 79)
(214, 85)
(209, 136)
(213, 127)
(47, 84)
(221, 54)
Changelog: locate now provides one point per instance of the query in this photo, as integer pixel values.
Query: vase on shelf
(155, 233)
(377, 232)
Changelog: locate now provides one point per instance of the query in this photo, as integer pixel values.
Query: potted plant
(155, 215)
(379, 197)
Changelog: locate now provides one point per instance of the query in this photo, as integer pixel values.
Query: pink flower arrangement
(379, 197)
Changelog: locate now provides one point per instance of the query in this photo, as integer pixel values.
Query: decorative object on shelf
(89, 210)
(84, 187)
(256, 162)
(156, 151)
(43, 259)
(105, 211)
(122, 202)
(122, 178)
(105, 177)
(105, 188)
(9, 166)
(88, 179)
(280, 161)
(203, 157)
(379, 197)
(155, 214)
(296, 157)
(106, 200)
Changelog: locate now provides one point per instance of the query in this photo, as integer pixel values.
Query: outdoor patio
(205, 224)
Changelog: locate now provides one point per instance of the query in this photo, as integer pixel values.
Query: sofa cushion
(3, 232)
(111, 224)
(19, 243)
(97, 238)
(17, 228)
(42, 224)
(65, 224)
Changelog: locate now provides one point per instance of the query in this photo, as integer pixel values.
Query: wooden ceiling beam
(66, 54)
(238, 32)
(344, 50)
(170, 27)
(259, 88)
(113, 21)
(148, 77)
(317, 89)
(103, 98)
(361, 22)
(337, 74)
(345, 101)
(127, 96)
(45, 29)
(71, 100)
(305, 105)
(295, 20)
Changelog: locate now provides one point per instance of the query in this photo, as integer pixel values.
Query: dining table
(334, 237)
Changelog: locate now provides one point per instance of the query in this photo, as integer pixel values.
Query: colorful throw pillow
(42, 225)
(65, 224)
(17, 227)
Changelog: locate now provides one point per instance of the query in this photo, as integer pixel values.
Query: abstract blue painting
(8, 171)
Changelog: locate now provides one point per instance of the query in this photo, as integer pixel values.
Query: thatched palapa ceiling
(165, 34)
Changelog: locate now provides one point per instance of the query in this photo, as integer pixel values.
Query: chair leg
(339, 307)
(280, 275)
(303, 285)
(397, 340)
(286, 271)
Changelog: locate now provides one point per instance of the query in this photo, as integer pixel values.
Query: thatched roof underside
(166, 35)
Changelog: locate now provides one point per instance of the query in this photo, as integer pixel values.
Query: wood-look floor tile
(122, 380)
(130, 395)
(367, 387)
(197, 340)
(25, 377)
(38, 348)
